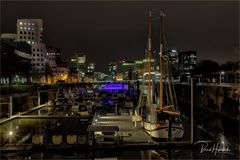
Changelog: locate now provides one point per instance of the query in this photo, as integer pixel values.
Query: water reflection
(119, 154)
(23, 102)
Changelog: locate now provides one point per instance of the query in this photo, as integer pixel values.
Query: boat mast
(161, 62)
(149, 53)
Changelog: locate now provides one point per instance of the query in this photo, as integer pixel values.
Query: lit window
(29, 23)
(29, 28)
(21, 27)
(32, 42)
(25, 27)
(33, 24)
(29, 42)
(25, 23)
(20, 23)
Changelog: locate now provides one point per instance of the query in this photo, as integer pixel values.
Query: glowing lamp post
(220, 76)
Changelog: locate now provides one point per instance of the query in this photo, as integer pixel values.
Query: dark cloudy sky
(108, 31)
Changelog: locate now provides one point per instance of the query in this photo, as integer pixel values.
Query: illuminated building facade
(174, 61)
(51, 59)
(56, 69)
(39, 61)
(78, 63)
(128, 70)
(15, 61)
(29, 30)
(90, 69)
(188, 62)
(112, 70)
(139, 69)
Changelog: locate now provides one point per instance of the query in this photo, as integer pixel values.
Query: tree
(228, 66)
(206, 67)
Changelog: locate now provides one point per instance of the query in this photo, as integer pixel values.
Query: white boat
(129, 103)
(160, 130)
(161, 122)
(89, 105)
(98, 103)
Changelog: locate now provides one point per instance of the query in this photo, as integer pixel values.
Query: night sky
(109, 31)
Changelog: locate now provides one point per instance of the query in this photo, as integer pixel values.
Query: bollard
(116, 110)
(192, 110)
(39, 99)
(10, 106)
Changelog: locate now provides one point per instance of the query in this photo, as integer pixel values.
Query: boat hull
(162, 131)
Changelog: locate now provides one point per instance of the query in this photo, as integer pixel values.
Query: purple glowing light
(115, 86)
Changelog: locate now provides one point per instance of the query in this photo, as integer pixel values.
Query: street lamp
(220, 76)
(10, 133)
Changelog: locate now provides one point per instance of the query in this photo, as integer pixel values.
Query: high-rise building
(128, 67)
(29, 30)
(112, 70)
(139, 69)
(90, 69)
(173, 57)
(51, 59)
(39, 59)
(188, 62)
(78, 61)
(99, 76)
(15, 61)
(55, 68)
(58, 55)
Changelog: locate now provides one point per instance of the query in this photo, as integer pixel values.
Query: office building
(51, 59)
(90, 69)
(30, 30)
(78, 63)
(15, 61)
(112, 70)
(188, 62)
(173, 57)
(39, 60)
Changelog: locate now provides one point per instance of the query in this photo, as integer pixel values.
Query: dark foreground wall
(216, 108)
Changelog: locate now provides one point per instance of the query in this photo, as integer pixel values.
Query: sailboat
(162, 121)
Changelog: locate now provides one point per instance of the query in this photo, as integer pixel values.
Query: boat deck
(127, 131)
